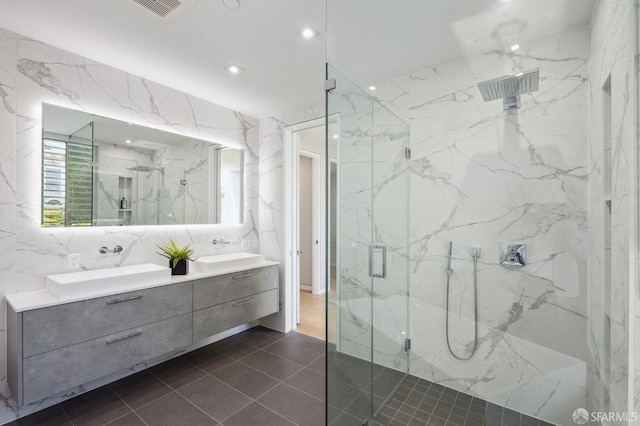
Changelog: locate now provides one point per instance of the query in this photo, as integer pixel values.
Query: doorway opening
(306, 273)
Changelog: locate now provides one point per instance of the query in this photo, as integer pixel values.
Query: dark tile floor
(414, 402)
(258, 377)
(420, 402)
(261, 377)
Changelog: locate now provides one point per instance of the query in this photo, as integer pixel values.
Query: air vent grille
(165, 9)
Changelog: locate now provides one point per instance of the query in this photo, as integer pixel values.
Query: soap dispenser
(123, 203)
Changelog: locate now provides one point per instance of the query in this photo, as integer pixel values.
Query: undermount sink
(228, 262)
(87, 283)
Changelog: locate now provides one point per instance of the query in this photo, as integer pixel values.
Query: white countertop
(29, 300)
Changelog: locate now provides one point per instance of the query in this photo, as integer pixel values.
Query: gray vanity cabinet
(225, 301)
(61, 346)
(66, 345)
(55, 371)
(63, 325)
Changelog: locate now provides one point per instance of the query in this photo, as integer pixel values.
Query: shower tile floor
(420, 402)
(415, 402)
(261, 377)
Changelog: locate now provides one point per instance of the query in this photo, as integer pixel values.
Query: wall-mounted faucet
(105, 249)
(220, 241)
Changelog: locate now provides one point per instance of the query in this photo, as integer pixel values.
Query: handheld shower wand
(475, 253)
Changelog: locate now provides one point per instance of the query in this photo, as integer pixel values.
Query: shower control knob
(512, 254)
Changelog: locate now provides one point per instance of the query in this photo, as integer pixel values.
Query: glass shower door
(390, 302)
(367, 315)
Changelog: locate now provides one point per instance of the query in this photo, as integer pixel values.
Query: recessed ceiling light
(335, 136)
(308, 33)
(128, 141)
(515, 47)
(372, 87)
(234, 69)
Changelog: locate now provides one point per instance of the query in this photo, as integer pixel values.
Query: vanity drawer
(209, 321)
(59, 370)
(59, 326)
(223, 288)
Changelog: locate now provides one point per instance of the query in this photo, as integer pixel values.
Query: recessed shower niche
(125, 210)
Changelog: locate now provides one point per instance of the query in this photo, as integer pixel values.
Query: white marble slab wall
(117, 170)
(354, 285)
(157, 194)
(192, 157)
(106, 199)
(481, 176)
(390, 215)
(170, 197)
(271, 193)
(613, 188)
(8, 201)
(32, 72)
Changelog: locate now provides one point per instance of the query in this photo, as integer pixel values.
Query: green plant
(174, 253)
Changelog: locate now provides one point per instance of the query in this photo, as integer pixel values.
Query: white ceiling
(395, 38)
(67, 122)
(369, 40)
(191, 52)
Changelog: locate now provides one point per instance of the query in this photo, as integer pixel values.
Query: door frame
(317, 226)
(291, 235)
(316, 210)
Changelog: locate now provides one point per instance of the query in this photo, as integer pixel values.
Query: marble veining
(613, 209)
(270, 218)
(32, 73)
(479, 176)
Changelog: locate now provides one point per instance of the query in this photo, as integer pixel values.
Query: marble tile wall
(32, 72)
(390, 207)
(356, 301)
(8, 200)
(117, 178)
(188, 160)
(480, 176)
(272, 197)
(612, 193)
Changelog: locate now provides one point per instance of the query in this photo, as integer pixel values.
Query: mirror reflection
(97, 171)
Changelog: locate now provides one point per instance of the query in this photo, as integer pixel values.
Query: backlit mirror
(97, 171)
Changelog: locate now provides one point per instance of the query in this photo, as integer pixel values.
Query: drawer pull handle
(246, 302)
(126, 336)
(237, 277)
(123, 299)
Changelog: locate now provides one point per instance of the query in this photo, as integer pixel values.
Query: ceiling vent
(166, 10)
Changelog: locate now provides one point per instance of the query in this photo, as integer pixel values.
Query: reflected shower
(510, 87)
(146, 169)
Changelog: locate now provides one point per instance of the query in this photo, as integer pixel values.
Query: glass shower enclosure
(523, 211)
(367, 305)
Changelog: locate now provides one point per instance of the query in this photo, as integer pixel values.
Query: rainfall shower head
(510, 87)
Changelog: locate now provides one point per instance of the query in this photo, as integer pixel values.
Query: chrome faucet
(105, 249)
(220, 241)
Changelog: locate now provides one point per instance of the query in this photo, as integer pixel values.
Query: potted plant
(177, 256)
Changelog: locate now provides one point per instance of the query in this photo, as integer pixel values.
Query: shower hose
(449, 271)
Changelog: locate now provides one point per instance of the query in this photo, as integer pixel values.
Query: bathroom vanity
(55, 345)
